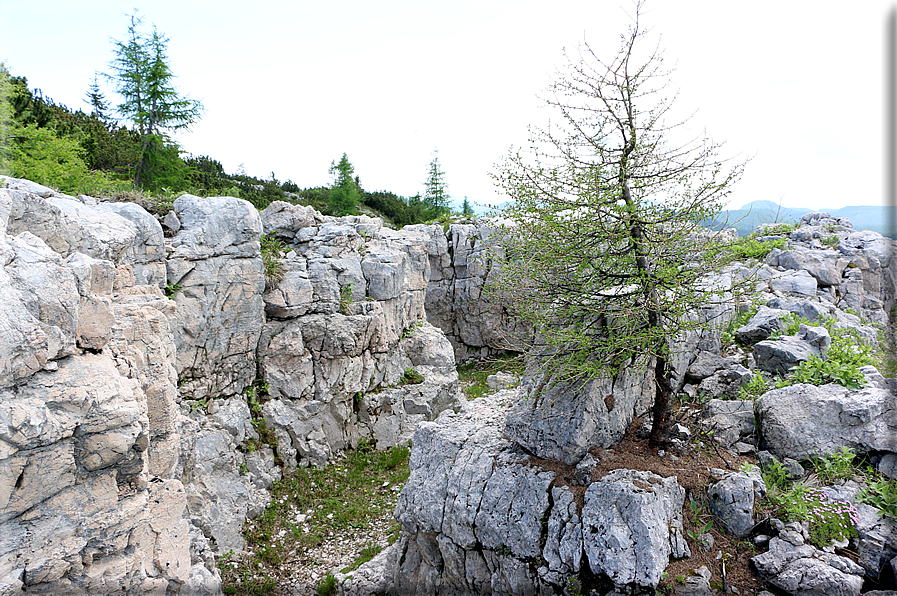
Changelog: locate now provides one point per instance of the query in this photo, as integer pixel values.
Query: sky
(797, 87)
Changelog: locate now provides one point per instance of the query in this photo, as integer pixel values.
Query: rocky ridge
(131, 456)
(459, 537)
(130, 447)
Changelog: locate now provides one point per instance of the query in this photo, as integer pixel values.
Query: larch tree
(344, 190)
(606, 256)
(143, 78)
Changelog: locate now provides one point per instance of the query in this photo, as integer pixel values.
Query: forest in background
(126, 151)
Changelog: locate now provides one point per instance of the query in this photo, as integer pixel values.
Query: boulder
(802, 420)
(732, 497)
(802, 569)
(762, 325)
(563, 421)
(779, 356)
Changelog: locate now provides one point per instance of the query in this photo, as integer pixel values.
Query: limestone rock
(285, 219)
(477, 520)
(805, 570)
(763, 324)
(563, 421)
(732, 498)
(729, 420)
(146, 255)
(632, 524)
(779, 356)
(803, 420)
(68, 225)
(217, 264)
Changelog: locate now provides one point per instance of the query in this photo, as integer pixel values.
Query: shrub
(835, 466)
(749, 247)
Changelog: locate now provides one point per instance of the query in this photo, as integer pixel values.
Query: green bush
(749, 247)
(841, 364)
(835, 466)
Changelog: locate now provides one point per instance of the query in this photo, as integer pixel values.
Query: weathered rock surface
(802, 420)
(216, 267)
(732, 497)
(802, 569)
(562, 421)
(472, 516)
(456, 302)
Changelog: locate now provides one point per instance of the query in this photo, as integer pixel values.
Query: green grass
(341, 498)
(272, 248)
(472, 376)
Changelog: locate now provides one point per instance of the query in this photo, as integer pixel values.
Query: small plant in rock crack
(829, 520)
(345, 298)
(170, 290)
(411, 377)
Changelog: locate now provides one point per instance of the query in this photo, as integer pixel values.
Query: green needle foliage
(604, 253)
(143, 77)
(344, 192)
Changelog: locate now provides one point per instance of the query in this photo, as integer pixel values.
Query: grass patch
(272, 249)
(472, 376)
(312, 505)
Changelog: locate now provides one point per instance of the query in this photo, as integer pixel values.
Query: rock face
(122, 426)
(477, 518)
(215, 270)
(456, 302)
(347, 319)
(562, 422)
(88, 442)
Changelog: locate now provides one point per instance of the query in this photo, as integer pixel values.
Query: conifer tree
(606, 255)
(143, 78)
(344, 191)
(436, 198)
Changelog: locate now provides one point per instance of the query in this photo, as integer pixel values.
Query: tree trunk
(662, 407)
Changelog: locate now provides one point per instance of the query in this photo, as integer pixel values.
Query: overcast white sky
(289, 86)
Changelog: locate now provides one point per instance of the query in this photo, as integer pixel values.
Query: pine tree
(466, 209)
(98, 102)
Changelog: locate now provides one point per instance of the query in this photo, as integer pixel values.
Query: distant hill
(746, 219)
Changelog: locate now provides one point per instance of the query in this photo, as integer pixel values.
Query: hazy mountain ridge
(863, 217)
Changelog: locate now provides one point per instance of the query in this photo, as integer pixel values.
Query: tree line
(114, 150)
